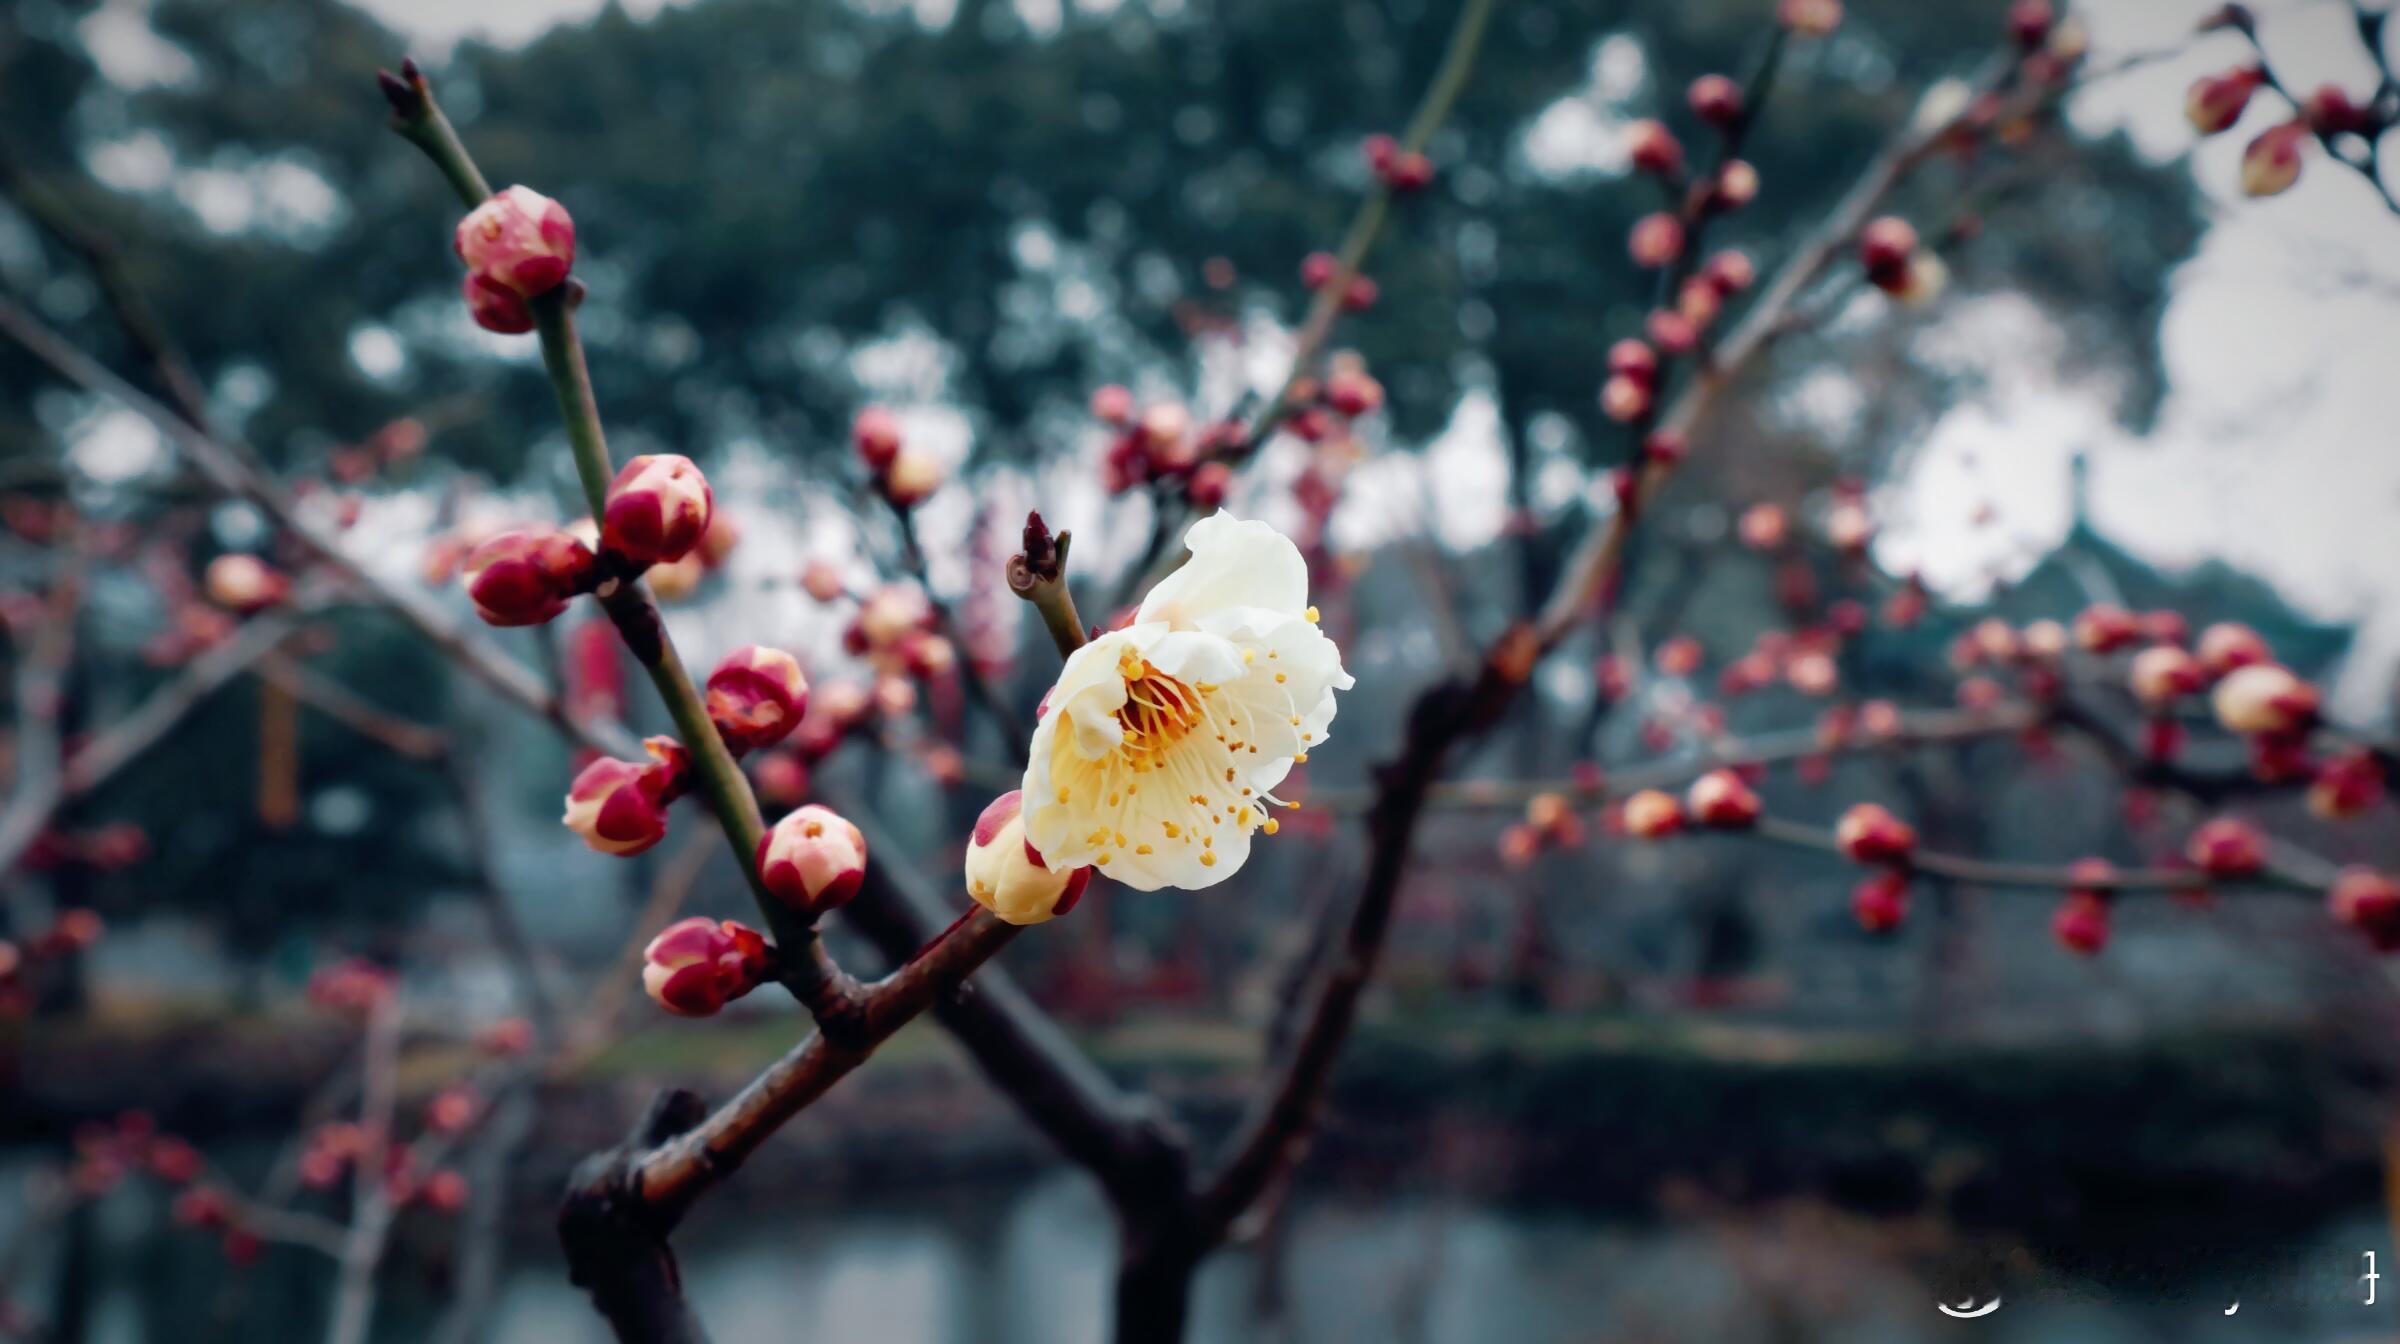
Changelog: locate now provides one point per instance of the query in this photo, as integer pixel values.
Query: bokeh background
(1620, 1093)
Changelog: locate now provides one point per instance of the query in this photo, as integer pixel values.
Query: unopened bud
(1810, 18)
(1737, 185)
(1652, 814)
(756, 697)
(526, 578)
(2165, 673)
(2271, 163)
(496, 307)
(2215, 102)
(520, 240)
(1720, 799)
(2029, 22)
(1715, 99)
(2264, 698)
(1869, 833)
(2346, 786)
(2105, 628)
(618, 806)
(1630, 358)
(696, 966)
(1624, 399)
(911, 477)
(243, 582)
(875, 435)
(2080, 924)
(1209, 484)
(1880, 903)
(822, 580)
(657, 511)
(1654, 148)
(2226, 847)
(1006, 874)
(813, 860)
(2368, 901)
(1353, 392)
(1885, 248)
(2330, 111)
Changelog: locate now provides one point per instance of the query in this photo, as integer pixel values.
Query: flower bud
(1737, 185)
(1869, 833)
(1353, 392)
(526, 578)
(1810, 18)
(2368, 901)
(1624, 399)
(1361, 295)
(495, 307)
(2165, 673)
(1005, 873)
(1630, 358)
(2029, 22)
(1924, 279)
(445, 1191)
(1317, 269)
(2346, 786)
(1652, 814)
(1885, 248)
(1880, 903)
(696, 966)
(1407, 171)
(875, 434)
(1715, 100)
(1720, 799)
(822, 580)
(520, 240)
(2080, 924)
(1763, 527)
(2226, 847)
(911, 477)
(1656, 240)
(1730, 271)
(244, 583)
(2215, 102)
(2105, 627)
(756, 697)
(2271, 162)
(2264, 698)
(657, 511)
(1671, 332)
(1208, 485)
(1653, 147)
(2330, 111)
(1112, 405)
(2227, 645)
(813, 860)
(619, 807)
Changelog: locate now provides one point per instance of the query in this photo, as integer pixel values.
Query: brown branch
(346, 707)
(1993, 873)
(371, 1209)
(40, 688)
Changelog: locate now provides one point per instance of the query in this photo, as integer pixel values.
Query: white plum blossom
(1160, 747)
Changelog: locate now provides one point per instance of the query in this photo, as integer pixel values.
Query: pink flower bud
(1880, 903)
(813, 860)
(1624, 399)
(2264, 698)
(526, 578)
(1671, 332)
(1209, 484)
(2215, 102)
(1630, 358)
(520, 240)
(2346, 786)
(618, 807)
(1715, 100)
(1361, 295)
(2080, 924)
(2105, 628)
(1653, 148)
(1665, 447)
(444, 1192)
(911, 477)
(2271, 163)
(1353, 392)
(658, 509)
(2165, 673)
(1884, 248)
(495, 307)
(1409, 171)
(1730, 272)
(2226, 847)
(1317, 269)
(452, 1109)
(1113, 405)
(2029, 22)
(2368, 901)
(1764, 527)
(1720, 799)
(822, 580)
(696, 966)
(875, 434)
(1869, 833)
(1737, 185)
(2330, 111)
(1379, 150)
(756, 697)
(2227, 645)
(1657, 239)
(244, 583)
(1652, 814)
(1810, 18)
(1005, 873)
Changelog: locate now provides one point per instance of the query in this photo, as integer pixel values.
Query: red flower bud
(495, 307)
(2080, 924)
(619, 807)
(2105, 628)
(813, 860)
(1720, 798)
(519, 240)
(444, 1192)
(1652, 814)
(1624, 399)
(526, 578)
(875, 435)
(1353, 392)
(756, 697)
(2164, 673)
(1737, 186)
(1656, 240)
(2271, 162)
(1654, 148)
(696, 966)
(244, 583)
(2368, 901)
(1630, 358)
(1885, 247)
(2346, 786)
(2215, 102)
(1112, 405)
(1880, 903)
(2029, 22)
(658, 509)
(2264, 698)
(2226, 847)
(1362, 295)
(1317, 269)
(1869, 833)
(2331, 112)
(1671, 332)
(1006, 874)
(1208, 485)
(1730, 271)
(1715, 100)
